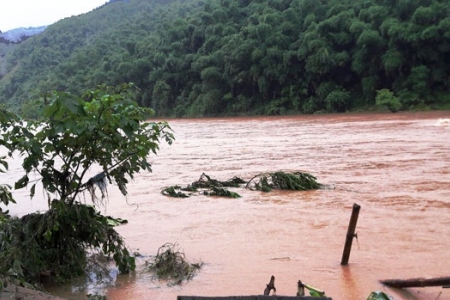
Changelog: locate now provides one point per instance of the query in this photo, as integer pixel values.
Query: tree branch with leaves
(104, 127)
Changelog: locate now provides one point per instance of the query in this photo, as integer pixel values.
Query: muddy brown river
(395, 166)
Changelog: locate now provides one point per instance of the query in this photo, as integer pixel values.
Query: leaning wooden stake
(270, 286)
(417, 282)
(350, 234)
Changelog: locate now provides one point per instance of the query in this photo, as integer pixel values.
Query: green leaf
(48, 235)
(378, 295)
(56, 226)
(22, 182)
(4, 164)
(32, 190)
(51, 110)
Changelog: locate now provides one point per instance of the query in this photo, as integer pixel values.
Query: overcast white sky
(35, 13)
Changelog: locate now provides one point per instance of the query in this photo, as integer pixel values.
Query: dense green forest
(194, 58)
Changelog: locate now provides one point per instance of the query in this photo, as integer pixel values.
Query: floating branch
(297, 181)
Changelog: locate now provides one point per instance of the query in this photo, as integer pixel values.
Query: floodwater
(395, 166)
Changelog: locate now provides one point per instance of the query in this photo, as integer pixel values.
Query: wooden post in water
(350, 234)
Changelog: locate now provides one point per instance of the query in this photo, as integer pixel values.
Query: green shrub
(387, 98)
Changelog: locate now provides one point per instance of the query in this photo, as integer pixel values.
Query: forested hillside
(238, 57)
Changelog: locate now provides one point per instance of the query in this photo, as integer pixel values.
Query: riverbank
(13, 291)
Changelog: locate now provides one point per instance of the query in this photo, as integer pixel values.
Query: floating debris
(378, 295)
(297, 181)
(205, 185)
(266, 182)
(171, 264)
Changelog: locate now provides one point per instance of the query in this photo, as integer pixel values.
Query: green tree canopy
(224, 57)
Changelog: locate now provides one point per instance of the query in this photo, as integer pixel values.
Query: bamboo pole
(350, 234)
(417, 282)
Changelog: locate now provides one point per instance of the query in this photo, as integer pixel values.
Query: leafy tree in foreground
(5, 189)
(103, 127)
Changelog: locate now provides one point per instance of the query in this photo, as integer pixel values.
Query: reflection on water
(396, 166)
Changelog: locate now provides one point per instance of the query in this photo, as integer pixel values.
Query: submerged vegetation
(265, 182)
(103, 128)
(296, 181)
(205, 185)
(171, 264)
